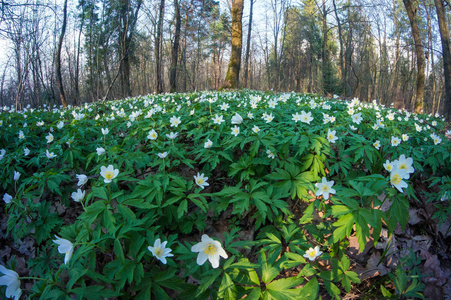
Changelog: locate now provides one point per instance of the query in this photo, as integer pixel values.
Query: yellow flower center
(312, 254)
(109, 175)
(158, 252)
(200, 180)
(210, 249)
(331, 137)
(325, 188)
(389, 167)
(396, 179)
(403, 166)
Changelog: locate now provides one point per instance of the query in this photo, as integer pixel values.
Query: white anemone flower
(152, 135)
(11, 280)
(105, 131)
(218, 119)
(396, 178)
(237, 119)
(235, 130)
(26, 151)
(306, 117)
(160, 251)
(312, 254)
(162, 155)
(49, 138)
(78, 195)
(201, 180)
(331, 137)
(209, 249)
(16, 175)
(100, 151)
(325, 188)
(175, 121)
(7, 198)
(108, 173)
(65, 247)
(208, 144)
(172, 135)
(49, 154)
(82, 179)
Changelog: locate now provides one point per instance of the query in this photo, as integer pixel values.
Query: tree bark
(175, 48)
(246, 60)
(233, 72)
(412, 13)
(59, 79)
(158, 42)
(444, 35)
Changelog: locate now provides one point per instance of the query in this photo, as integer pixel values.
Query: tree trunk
(444, 34)
(412, 13)
(175, 48)
(233, 72)
(246, 60)
(59, 79)
(158, 42)
(340, 38)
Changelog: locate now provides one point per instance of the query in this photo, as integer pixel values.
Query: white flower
(268, 118)
(49, 154)
(208, 144)
(331, 136)
(377, 144)
(352, 127)
(237, 119)
(49, 138)
(2, 152)
(325, 188)
(105, 131)
(26, 151)
(108, 173)
(388, 166)
(405, 137)
(404, 163)
(172, 135)
(218, 119)
(78, 195)
(21, 135)
(82, 179)
(395, 141)
(65, 247)
(396, 178)
(100, 151)
(162, 155)
(256, 129)
(160, 251)
(209, 249)
(16, 175)
(312, 254)
(11, 280)
(235, 130)
(224, 106)
(296, 117)
(152, 135)
(201, 180)
(250, 115)
(60, 125)
(270, 154)
(7, 198)
(357, 118)
(306, 117)
(175, 121)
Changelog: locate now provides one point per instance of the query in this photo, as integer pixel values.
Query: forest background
(60, 52)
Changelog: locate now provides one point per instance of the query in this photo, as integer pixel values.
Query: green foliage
(266, 197)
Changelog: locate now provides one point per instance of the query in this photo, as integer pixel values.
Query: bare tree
(233, 71)
(59, 79)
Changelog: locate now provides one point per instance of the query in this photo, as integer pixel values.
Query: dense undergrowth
(238, 195)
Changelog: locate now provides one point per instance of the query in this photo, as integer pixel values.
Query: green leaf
(310, 290)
